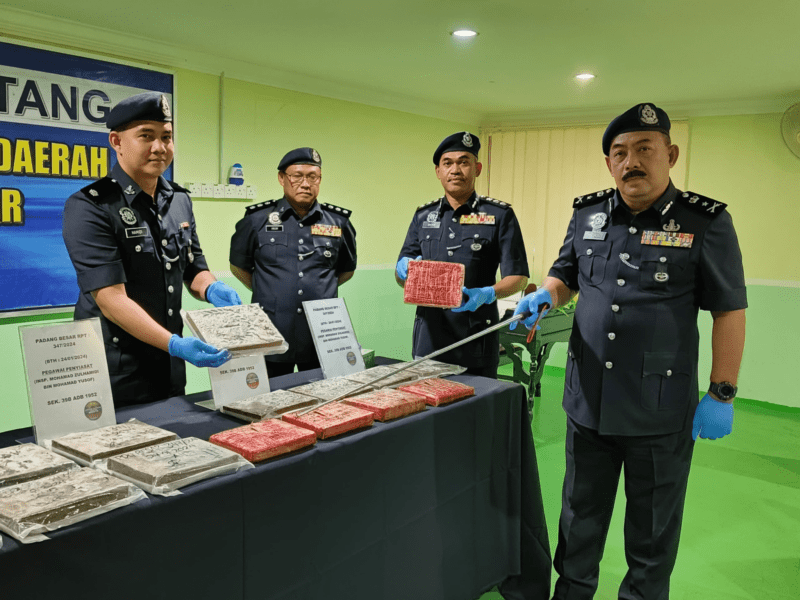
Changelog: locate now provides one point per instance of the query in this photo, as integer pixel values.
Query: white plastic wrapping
(31, 509)
(164, 468)
(268, 406)
(243, 330)
(434, 368)
(25, 462)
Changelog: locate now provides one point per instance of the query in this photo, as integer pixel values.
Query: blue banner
(53, 141)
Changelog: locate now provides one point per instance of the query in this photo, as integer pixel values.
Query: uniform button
(615, 307)
(609, 365)
(488, 322)
(160, 218)
(620, 282)
(138, 248)
(164, 243)
(632, 229)
(663, 259)
(328, 244)
(669, 372)
(300, 274)
(452, 235)
(454, 220)
(476, 236)
(299, 258)
(589, 252)
(170, 289)
(299, 292)
(169, 312)
(427, 237)
(299, 311)
(168, 266)
(115, 340)
(300, 241)
(612, 335)
(449, 253)
(299, 224)
(624, 256)
(272, 240)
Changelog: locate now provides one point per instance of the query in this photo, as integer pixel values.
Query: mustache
(630, 174)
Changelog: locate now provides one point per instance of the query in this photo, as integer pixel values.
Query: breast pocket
(326, 250)
(272, 246)
(666, 378)
(664, 269)
(429, 244)
(592, 261)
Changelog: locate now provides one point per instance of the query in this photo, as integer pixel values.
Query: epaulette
(702, 204)
(427, 204)
(590, 199)
(177, 187)
(249, 210)
(100, 188)
(493, 201)
(336, 209)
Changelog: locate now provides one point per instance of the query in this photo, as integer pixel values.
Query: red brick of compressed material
(434, 283)
(439, 391)
(388, 404)
(265, 439)
(332, 419)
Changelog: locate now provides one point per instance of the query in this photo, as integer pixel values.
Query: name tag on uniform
(479, 219)
(326, 230)
(666, 238)
(134, 232)
(273, 228)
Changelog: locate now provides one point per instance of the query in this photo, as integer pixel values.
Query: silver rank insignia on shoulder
(672, 226)
(597, 221)
(274, 218)
(467, 140)
(129, 190)
(128, 216)
(93, 192)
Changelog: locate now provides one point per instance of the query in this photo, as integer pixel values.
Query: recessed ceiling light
(464, 33)
(584, 76)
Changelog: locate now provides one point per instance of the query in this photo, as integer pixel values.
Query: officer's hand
(712, 419)
(531, 304)
(197, 352)
(402, 267)
(220, 294)
(476, 297)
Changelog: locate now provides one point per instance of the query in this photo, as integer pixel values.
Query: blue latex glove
(712, 419)
(220, 294)
(197, 352)
(476, 297)
(402, 267)
(531, 304)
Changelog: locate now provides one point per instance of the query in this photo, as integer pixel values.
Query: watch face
(727, 390)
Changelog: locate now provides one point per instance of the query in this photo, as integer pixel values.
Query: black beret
(462, 141)
(150, 106)
(300, 156)
(642, 117)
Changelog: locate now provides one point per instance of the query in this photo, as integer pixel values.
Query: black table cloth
(443, 504)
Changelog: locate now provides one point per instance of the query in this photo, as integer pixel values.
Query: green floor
(741, 530)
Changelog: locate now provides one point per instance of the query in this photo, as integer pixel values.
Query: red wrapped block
(265, 439)
(434, 283)
(332, 419)
(439, 391)
(388, 404)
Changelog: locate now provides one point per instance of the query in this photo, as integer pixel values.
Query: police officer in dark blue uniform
(479, 232)
(293, 250)
(645, 258)
(131, 237)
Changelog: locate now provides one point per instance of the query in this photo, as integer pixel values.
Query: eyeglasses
(297, 178)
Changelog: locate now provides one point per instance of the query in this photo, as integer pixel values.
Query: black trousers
(274, 369)
(656, 474)
(488, 370)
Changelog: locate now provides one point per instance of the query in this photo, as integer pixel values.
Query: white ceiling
(690, 57)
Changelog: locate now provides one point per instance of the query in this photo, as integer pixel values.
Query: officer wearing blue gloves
(479, 232)
(646, 258)
(131, 237)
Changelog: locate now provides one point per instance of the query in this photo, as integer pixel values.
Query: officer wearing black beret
(645, 258)
(291, 250)
(132, 239)
(481, 233)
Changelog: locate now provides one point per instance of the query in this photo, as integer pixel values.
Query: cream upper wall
(743, 161)
(376, 162)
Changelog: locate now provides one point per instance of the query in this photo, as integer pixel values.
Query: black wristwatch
(725, 391)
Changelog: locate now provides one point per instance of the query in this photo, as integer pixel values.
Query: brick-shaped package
(388, 404)
(439, 391)
(434, 283)
(332, 419)
(265, 439)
